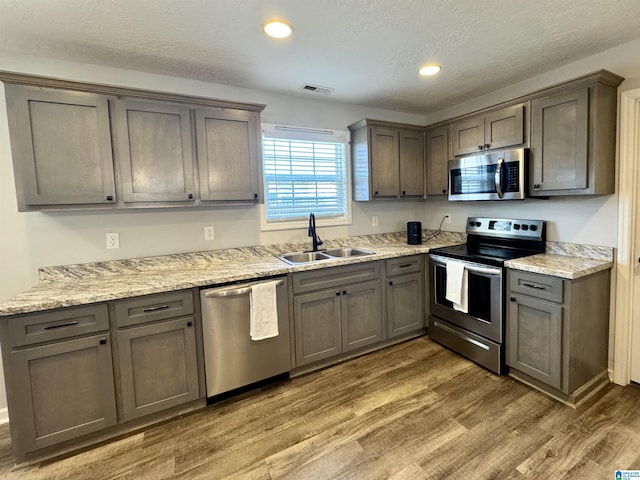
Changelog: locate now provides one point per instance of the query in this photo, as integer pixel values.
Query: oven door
(485, 298)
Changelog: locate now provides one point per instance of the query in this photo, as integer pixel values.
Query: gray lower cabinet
(573, 137)
(336, 310)
(229, 154)
(405, 295)
(152, 143)
(158, 366)
(59, 376)
(157, 353)
(557, 332)
(61, 147)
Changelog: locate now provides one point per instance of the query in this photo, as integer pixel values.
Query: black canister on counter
(414, 233)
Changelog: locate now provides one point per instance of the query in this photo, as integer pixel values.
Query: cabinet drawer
(334, 277)
(151, 308)
(402, 265)
(535, 285)
(58, 324)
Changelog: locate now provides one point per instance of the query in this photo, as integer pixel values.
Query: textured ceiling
(367, 51)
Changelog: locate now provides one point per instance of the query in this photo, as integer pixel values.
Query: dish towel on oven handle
(264, 311)
(457, 285)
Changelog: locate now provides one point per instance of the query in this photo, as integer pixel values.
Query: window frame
(309, 134)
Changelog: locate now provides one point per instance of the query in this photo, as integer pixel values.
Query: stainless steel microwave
(499, 175)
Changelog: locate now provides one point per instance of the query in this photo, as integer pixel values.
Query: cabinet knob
(344, 292)
(337, 294)
(109, 198)
(103, 341)
(444, 190)
(255, 195)
(375, 193)
(390, 283)
(537, 185)
(480, 147)
(190, 196)
(189, 324)
(513, 299)
(404, 192)
(486, 146)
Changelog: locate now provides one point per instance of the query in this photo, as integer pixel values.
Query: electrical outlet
(374, 221)
(447, 218)
(113, 240)
(209, 233)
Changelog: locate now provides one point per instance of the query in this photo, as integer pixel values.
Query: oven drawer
(536, 285)
(484, 352)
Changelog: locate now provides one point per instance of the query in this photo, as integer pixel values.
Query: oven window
(441, 287)
(479, 296)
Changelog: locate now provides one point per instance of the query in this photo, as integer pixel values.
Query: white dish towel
(264, 311)
(457, 286)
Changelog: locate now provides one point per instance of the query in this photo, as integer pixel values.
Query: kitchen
(32, 240)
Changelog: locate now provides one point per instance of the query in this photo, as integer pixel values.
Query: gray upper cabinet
(153, 148)
(229, 155)
(573, 140)
(437, 156)
(387, 160)
(61, 147)
(502, 128)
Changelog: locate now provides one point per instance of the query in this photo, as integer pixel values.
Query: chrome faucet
(313, 234)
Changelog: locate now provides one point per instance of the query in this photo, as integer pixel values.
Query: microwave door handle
(498, 177)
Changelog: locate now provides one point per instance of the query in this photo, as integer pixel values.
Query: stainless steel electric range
(475, 328)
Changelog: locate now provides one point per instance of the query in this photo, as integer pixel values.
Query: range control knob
(525, 227)
(477, 224)
(516, 226)
(471, 224)
(533, 228)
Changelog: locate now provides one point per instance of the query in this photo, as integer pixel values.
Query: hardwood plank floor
(412, 411)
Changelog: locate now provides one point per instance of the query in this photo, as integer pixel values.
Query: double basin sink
(298, 258)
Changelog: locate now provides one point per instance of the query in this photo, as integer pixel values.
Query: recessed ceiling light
(428, 70)
(277, 29)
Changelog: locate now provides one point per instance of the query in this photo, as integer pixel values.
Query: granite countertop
(566, 260)
(82, 284)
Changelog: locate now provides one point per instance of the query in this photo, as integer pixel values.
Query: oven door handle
(498, 178)
(473, 268)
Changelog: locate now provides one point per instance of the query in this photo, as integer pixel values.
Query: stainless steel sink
(298, 258)
(303, 257)
(347, 252)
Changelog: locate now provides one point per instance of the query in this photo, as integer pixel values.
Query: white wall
(31, 240)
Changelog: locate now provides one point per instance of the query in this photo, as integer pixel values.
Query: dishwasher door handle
(232, 292)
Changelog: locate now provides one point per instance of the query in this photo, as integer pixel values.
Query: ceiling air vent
(317, 89)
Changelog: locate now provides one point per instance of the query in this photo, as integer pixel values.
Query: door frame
(626, 308)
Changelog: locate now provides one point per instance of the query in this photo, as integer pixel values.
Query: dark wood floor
(413, 411)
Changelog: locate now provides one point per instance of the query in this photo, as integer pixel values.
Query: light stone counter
(566, 260)
(83, 284)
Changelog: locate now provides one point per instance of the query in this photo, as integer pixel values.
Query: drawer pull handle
(404, 265)
(391, 283)
(103, 341)
(155, 309)
(531, 285)
(513, 299)
(61, 325)
(189, 324)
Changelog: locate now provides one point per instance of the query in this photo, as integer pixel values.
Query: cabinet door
(535, 339)
(229, 156)
(384, 151)
(317, 326)
(559, 136)
(61, 146)
(405, 304)
(361, 315)
(437, 144)
(412, 164)
(152, 141)
(63, 390)
(158, 366)
(504, 128)
(468, 136)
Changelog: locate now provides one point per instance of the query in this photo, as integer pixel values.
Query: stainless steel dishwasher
(232, 359)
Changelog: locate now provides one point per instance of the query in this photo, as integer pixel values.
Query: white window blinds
(304, 173)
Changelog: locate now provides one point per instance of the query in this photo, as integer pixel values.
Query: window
(305, 171)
